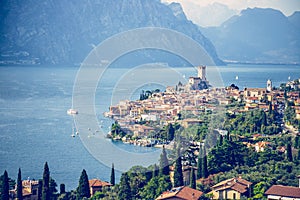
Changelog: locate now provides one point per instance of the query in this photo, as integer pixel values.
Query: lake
(34, 125)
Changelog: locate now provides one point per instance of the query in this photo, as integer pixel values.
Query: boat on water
(72, 111)
(74, 132)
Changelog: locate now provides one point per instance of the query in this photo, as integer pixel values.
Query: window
(234, 195)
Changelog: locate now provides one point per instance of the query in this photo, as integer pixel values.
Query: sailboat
(73, 129)
(236, 77)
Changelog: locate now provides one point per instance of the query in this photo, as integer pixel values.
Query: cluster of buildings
(31, 189)
(196, 96)
(234, 188)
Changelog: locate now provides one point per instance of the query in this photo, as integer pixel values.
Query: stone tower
(202, 72)
(269, 85)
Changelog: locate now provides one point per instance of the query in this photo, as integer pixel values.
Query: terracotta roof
(98, 183)
(285, 191)
(182, 193)
(243, 181)
(238, 184)
(239, 188)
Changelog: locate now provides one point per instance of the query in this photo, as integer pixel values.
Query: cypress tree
(83, 189)
(264, 118)
(19, 186)
(289, 155)
(221, 140)
(298, 156)
(297, 142)
(112, 175)
(270, 108)
(155, 171)
(192, 179)
(199, 163)
(171, 132)
(40, 188)
(52, 189)
(178, 177)
(62, 188)
(46, 182)
(5, 187)
(124, 188)
(204, 164)
(164, 163)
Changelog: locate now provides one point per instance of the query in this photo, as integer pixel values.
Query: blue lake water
(35, 128)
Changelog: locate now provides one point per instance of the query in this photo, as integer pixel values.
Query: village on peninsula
(183, 104)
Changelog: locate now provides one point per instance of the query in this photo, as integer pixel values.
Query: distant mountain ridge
(258, 36)
(64, 32)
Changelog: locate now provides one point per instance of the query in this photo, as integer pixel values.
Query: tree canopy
(46, 182)
(83, 189)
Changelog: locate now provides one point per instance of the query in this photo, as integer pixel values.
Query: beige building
(255, 92)
(30, 189)
(233, 188)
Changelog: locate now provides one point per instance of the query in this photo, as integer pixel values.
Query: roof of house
(238, 184)
(182, 193)
(286, 191)
(98, 183)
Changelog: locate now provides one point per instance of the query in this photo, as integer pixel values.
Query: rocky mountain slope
(259, 36)
(64, 32)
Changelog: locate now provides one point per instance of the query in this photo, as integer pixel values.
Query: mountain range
(64, 32)
(258, 35)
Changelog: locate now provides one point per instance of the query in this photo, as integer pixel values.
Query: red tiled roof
(239, 188)
(182, 193)
(98, 183)
(243, 181)
(238, 184)
(286, 191)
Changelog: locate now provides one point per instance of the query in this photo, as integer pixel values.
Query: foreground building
(97, 185)
(233, 188)
(181, 193)
(283, 192)
(30, 190)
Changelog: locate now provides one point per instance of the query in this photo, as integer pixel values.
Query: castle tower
(269, 85)
(202, 72)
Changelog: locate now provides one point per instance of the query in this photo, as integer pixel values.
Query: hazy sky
(214, 12)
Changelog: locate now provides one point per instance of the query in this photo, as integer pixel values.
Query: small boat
(74, 132)
(236, 77)
(72, 112)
